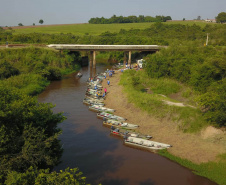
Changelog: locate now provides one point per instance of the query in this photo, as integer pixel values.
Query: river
(101, 157)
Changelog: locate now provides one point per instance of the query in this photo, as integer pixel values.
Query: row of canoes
(118, 125)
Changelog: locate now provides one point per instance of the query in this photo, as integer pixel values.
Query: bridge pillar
(125, 59)
(91, 59)
(94, 59)
(129, 62)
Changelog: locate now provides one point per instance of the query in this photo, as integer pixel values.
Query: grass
(93, 29)
(214, 171)
(188, 119)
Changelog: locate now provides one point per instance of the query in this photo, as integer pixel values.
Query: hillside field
(91, 29)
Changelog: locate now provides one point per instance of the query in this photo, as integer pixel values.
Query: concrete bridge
(93, 48)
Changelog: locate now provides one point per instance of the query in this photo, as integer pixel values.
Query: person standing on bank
(108, 82)
(105, 90)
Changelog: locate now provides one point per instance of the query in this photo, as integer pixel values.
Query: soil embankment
(198, 148)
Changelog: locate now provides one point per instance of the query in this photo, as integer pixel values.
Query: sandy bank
(200, 147)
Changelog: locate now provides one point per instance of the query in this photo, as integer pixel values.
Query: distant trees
(129, 19)
(20, 24)
(221, 18)
(41, 21)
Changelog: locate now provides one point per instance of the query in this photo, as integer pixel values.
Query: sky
(27, 12)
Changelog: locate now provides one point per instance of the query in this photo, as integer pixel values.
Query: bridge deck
(77, 47)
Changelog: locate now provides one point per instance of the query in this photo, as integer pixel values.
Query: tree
(43, 177)
(221, 18)
(41, 21)
(199, 18)
(20, 24)
(28, 133)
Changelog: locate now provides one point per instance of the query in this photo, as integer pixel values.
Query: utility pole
(207, 39)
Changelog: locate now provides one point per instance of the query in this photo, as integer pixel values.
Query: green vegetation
(202, 68)
(29, 144)
(129, 19)
(214, 171)
(28, 133)
(81, 29)
(221, 17)
(43, 177)
(31, 69)
(188, 119)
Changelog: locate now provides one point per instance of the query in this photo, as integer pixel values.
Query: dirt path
(202, 147)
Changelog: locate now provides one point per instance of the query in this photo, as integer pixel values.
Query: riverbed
(102, 157)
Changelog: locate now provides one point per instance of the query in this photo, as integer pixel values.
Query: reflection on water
(101, 157)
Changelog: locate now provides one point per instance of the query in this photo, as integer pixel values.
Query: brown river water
(101, 157)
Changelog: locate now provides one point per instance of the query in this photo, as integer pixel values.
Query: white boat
(93, 90)
(89, 102)
(146, 144)
(126, 133)
(79, 74)
(104, 115)
(97, 108)
(94, 99)
(115, 123)
(95, 87)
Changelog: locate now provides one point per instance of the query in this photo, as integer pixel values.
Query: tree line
(129, 19)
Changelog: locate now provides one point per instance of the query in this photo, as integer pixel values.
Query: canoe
(96, 103)
(100, 109)
(145, 144)
(95, 87)
(94, 97)
(114, 123)
(104, 115)
(126, 133)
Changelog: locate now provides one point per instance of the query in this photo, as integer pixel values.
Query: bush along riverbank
(31, 69)
(29, 144)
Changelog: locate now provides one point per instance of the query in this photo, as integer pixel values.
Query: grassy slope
(93, 29)
(190, 119)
